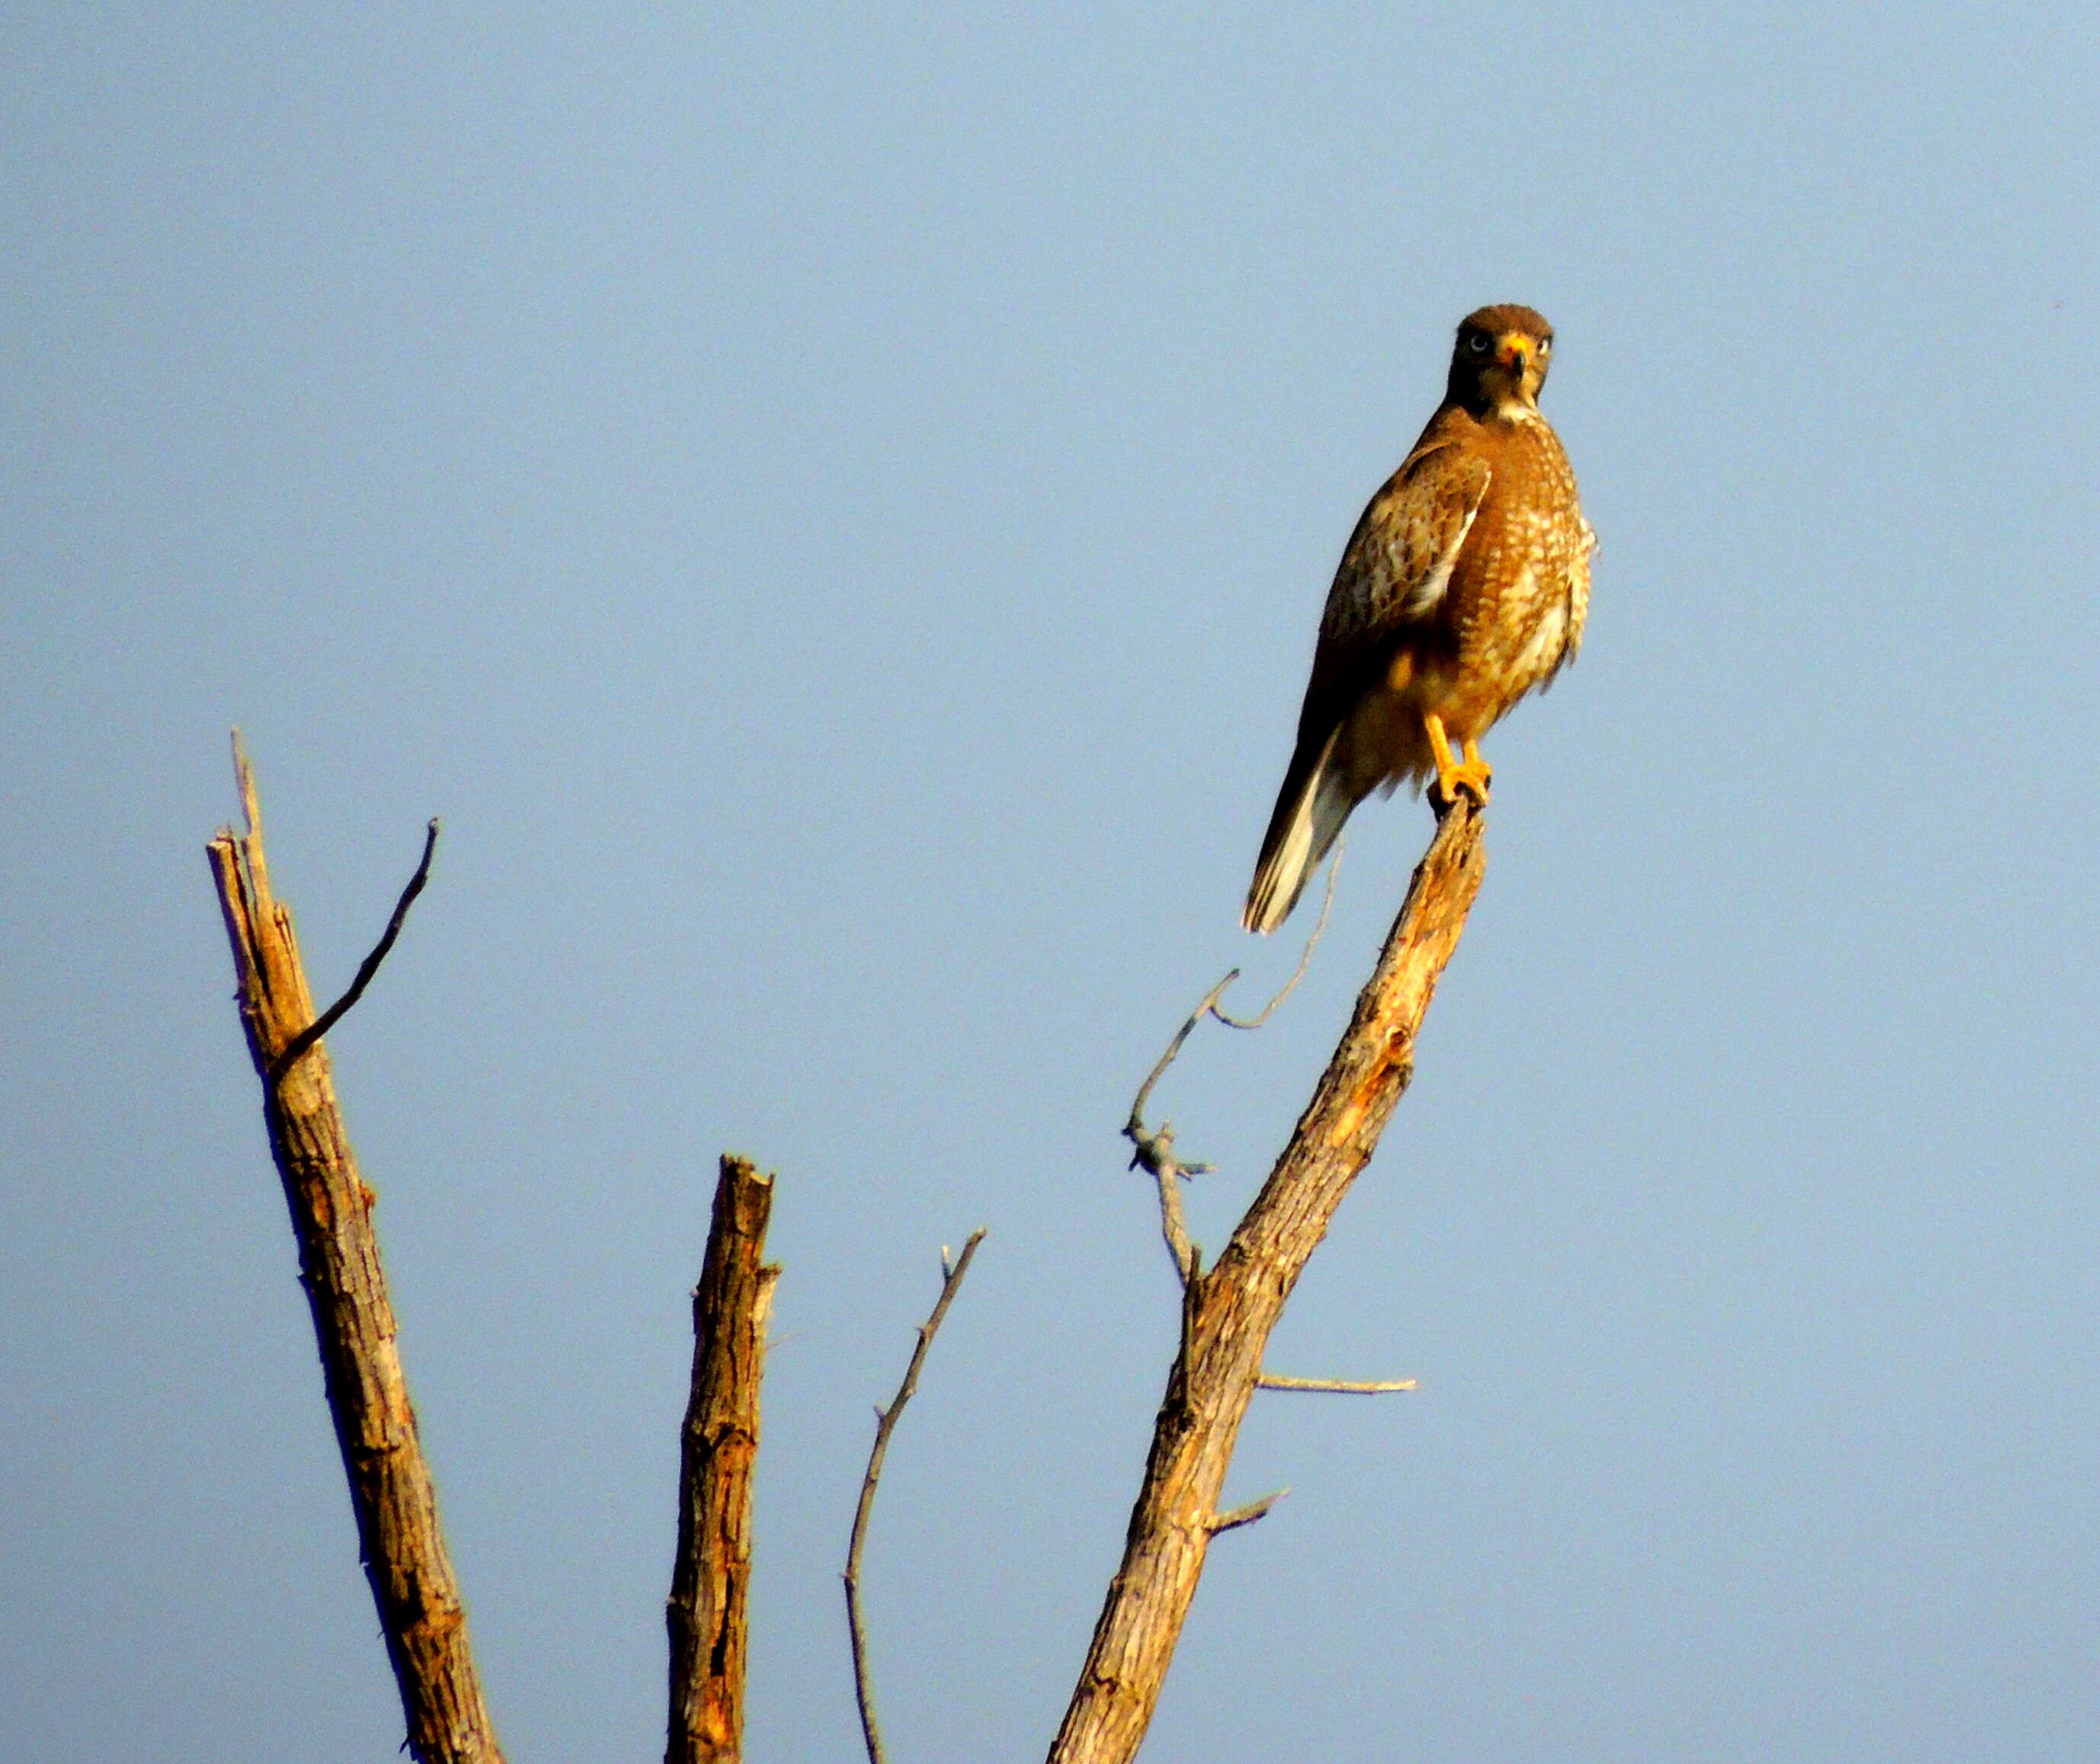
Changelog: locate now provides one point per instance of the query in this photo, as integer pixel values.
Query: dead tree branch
(390, 1489)
(707, 1613)
(1230, 1310)
(885, 1423)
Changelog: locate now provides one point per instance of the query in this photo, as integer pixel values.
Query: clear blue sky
(832, 510)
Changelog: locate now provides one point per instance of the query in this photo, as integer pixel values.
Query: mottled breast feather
(1521, 593)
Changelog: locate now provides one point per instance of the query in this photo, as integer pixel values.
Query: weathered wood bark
(1230, 1310)
(708, 1612)
(390, 1489)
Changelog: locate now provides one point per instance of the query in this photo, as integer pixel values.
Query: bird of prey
(1464, 585)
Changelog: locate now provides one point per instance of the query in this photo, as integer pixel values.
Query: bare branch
(391, 1492)
(1238, 1516)
(707, 1613)
(885, 1423)
(1229, 1312)
(302, 1043)
(1271, 1381)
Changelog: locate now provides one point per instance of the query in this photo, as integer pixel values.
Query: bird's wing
(1394, 571)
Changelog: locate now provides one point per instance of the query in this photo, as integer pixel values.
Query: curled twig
(1134, 1129)
(1304, 961)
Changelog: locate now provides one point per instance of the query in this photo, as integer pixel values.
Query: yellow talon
(1451, 777)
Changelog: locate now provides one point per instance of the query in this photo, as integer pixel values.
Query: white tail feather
(1324, 802)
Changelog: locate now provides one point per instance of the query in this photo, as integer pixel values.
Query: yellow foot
(1471, 775)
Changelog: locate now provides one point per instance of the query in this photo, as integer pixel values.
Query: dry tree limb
(885, 1424)
(708, 1613)
(390, 1489)
(1230, 1311)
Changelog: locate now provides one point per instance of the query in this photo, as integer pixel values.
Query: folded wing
(1389, 587)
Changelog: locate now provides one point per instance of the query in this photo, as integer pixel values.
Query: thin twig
(1304, 961)
(302, 1044)
(1272, 1381)
(885, 1422)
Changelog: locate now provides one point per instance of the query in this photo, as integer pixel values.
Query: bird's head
(1499, 362)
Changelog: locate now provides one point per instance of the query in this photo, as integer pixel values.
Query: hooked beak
(1514, 351)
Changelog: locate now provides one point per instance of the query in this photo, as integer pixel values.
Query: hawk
(1464, 585)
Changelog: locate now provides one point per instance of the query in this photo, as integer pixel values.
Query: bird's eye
(1545, 343)
(1478, 344)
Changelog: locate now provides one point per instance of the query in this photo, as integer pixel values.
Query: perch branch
(391, 1492)
(707, 1613)
(885, 1423)
(1231, 1310)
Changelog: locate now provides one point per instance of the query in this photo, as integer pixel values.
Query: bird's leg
(1451, 775)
